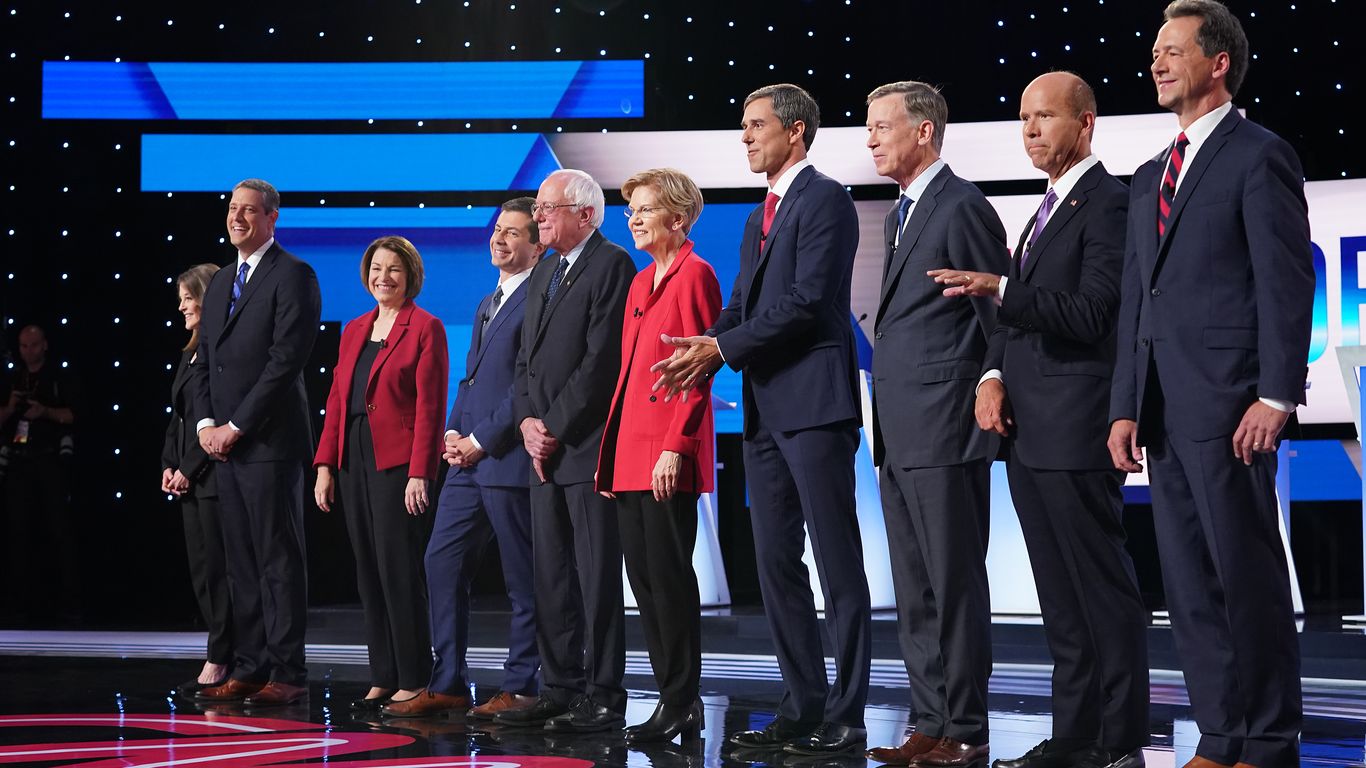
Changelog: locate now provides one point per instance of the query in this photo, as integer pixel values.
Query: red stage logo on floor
(233, 741)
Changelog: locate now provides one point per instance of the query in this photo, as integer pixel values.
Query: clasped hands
(218, 441)
(460, 450)
(539, 442)
(695, 359)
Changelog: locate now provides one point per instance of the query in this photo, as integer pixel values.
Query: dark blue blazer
(928, 349)
(1055, 335)
(786, 326)
(483, 403)
(1221, 305)
(254, 359)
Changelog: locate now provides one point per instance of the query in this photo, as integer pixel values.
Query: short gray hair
(922, 101)
(270, 197)
(583, 191)
(791, 103)
(1219, 31)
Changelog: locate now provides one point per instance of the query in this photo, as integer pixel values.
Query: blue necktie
(555, 279)
(239, 285)
(903, 208)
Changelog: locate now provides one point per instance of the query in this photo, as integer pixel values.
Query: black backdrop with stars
(88, 255)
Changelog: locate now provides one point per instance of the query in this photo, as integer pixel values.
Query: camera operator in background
(36, 420)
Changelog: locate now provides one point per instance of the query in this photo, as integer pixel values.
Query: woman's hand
(664, 479)
(324, 491)
(179, 483)
(166, 475)
(415, 496)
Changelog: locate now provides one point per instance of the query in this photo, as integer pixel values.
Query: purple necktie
(1039, 221)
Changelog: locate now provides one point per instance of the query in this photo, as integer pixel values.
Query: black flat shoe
(775, 734)
(190, 687)
(828, 739)
(668, 722)
(369, 705)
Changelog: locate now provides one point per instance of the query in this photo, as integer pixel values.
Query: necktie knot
(770, 210)
(239, 285)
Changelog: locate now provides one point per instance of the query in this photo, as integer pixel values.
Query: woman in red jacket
(382, 436)
(656, 455)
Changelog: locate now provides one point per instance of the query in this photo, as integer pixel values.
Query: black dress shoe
(532, 716)
(369, 705)
(829, 739)
(775, 734)
(1100, 758)
(669, 721)
(1050, 753)
(190, 687)
(586, 716)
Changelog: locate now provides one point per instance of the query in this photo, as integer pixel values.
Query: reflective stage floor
(106, 704)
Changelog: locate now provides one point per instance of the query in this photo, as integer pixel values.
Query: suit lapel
(920, 216)
(255, 279)
(391, 342)
(181, 375)
(1063, 212)
(476, 350)
(785, 206)
(1190, 181)
(571, 276)
(504, 312)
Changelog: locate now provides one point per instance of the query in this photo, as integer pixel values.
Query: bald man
(1046, 390)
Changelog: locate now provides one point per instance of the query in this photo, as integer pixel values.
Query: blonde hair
(407, 253)
(677, 193)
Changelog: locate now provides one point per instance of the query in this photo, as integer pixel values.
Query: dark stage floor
(111, 711)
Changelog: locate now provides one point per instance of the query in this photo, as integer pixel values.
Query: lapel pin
(1072, 202)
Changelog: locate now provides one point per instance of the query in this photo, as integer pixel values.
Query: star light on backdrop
(76, 223)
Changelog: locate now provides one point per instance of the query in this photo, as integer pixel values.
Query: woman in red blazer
(381, 440)
(656, 455)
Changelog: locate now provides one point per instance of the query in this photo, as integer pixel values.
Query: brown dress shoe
(425, 704)
(276, 694)
(951, 753)
(918, 744)
(504, 701)
(1201, 762)
(233, 690)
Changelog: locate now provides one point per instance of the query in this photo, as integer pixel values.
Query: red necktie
(1167, 192)
(770, 210)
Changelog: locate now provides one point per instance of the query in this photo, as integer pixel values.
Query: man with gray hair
(935, 463)
(566, 371)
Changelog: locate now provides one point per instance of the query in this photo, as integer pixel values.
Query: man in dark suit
(485, 496)
(787, 328)
(927, 356)
(260, 319)
(1046, 388)
(1213, 339)
(566, 370)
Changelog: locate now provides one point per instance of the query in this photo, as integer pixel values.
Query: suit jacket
(571, 354)
(181, 448)
(787, 325)
(928, 349)
(254, 359)
(1055, 335)
(686, 303)
(1220, 307)
(405, 392)
(483, 401)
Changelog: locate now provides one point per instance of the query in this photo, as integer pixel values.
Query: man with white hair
(566, 371)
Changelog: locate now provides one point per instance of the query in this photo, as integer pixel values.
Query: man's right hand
(537, 439)
(1125, 451)
(993, 409)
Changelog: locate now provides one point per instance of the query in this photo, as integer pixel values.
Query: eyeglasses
(645, 212)
(548, 208)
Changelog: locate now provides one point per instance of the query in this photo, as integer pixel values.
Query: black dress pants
(209, 572)
(657, 539)
(389, 544)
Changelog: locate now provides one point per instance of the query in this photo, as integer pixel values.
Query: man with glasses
(566, 370)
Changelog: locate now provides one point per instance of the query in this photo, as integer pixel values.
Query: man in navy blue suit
(1213, 340)
(486, 493)
(1046, 389)
(787, 328)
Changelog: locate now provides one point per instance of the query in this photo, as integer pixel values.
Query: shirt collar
(917, 187)
(784, 182)
(1198, 131)
(255, 258)
(572, 255)
(1068, 180)
(513, 282)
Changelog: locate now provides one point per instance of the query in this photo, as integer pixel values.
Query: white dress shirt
(253, 259)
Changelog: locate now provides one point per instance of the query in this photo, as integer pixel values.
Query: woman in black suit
(187, 473)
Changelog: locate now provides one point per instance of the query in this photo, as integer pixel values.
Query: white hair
(581, 190)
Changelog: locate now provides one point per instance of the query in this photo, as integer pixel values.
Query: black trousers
(938, 519)
(580, 626)
(209, 572)
(42, 569)
(389, 544)
(657, 539)
(262, 514)
(1228, 593)
(1093, 615)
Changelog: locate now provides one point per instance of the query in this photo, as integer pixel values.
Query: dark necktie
(488, 316)
(1167, 192)
(770, 210)
(1039, 221)
(903, 210)
(555, 279)
(239, 285)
